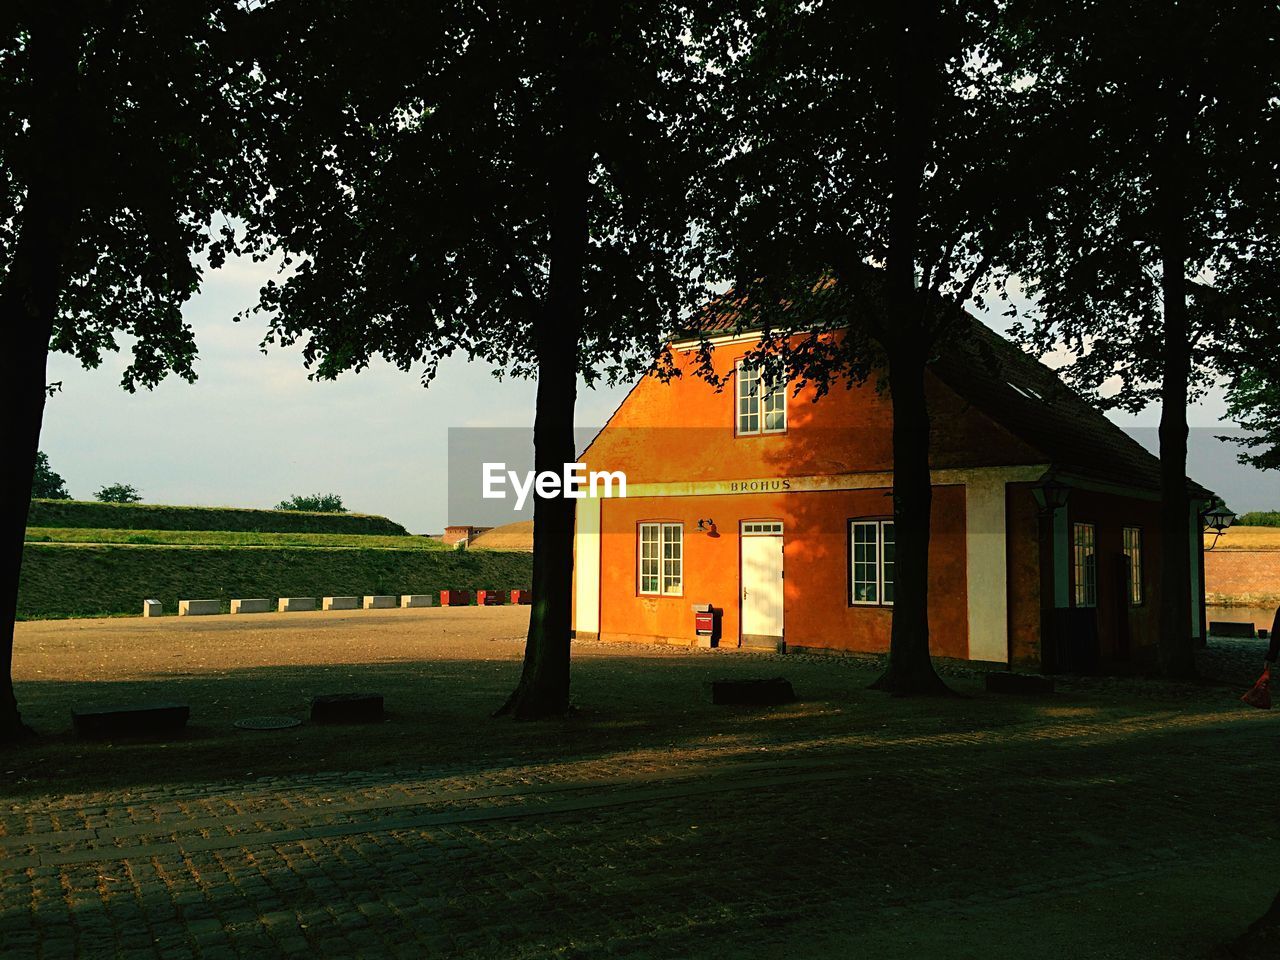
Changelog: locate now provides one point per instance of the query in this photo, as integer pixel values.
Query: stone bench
(198, 608)
(751, 693)
(340, 603)
(295, 604)
(256, 605)
(152, 608)
(148, 720)
(417, 600)
(379, 603)
(1234, 629)
(347, 708)
(1019, 684)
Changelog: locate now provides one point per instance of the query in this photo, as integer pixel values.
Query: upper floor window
(662, 558)
(761, 405)
(1133, 554)
(1085, 564)
(871, 545)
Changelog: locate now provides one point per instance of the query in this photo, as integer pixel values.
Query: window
(762, 407)
(871, 544)
(1133, 554)
(1085, 564)
(766, 528)
(662, 558)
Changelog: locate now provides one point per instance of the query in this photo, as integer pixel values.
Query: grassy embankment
(153, 516)
(60, 580)
(75, 568)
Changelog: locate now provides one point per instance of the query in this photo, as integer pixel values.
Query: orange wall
(816, 561)
(683, 430)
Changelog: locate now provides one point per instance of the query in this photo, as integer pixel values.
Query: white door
(761, 583)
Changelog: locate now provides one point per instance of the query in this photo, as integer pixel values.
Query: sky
(254, 430)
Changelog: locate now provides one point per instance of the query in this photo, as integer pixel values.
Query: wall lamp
(1051, 494)
(706, 526)
(1216, 518)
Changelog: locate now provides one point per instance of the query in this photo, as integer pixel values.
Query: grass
(226, 538)
(1246, 538)
(155, 516)
(59, 580)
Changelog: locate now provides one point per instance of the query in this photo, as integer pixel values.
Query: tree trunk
(543, 690)
(28, 305)
(910, 670)
(1177, 650)
(905, 335)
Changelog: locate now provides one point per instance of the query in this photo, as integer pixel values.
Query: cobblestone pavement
(815, 846)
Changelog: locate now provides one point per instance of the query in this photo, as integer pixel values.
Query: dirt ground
(1117, 818)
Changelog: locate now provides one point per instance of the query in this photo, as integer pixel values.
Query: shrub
(1259, 518)
(118, 493)
(315, 503)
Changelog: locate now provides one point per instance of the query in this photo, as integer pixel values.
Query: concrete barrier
(256, 605)
(379, 603)
(455, 598)
(294, 604)
(152, 608)
(198, 608)
(489, 598)
(417, 600)
(340, 603)
(522, 597)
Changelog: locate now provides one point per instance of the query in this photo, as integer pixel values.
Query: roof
(1017, 391)
(1029, 399)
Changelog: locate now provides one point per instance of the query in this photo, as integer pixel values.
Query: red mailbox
(706, 624)
(489, 598)
(455, 598)
(522, 597)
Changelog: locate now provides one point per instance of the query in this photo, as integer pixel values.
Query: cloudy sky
(254, 430)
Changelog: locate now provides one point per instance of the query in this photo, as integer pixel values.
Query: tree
(1161, 224)
(118, 493)
(506, 181)
(114, 119)
(45, 484)
(315, 503)
(876, 163)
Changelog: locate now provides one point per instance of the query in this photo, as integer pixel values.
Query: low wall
(1242, 577)
(61, 581)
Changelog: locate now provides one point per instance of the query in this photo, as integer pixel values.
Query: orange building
(775, 510)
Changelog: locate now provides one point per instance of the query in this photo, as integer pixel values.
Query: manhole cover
(267, 723)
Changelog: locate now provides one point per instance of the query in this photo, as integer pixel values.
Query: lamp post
(1216, 517)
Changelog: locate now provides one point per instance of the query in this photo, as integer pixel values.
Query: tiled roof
(1017, 391)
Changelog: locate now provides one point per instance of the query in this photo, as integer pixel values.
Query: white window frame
(1084, 564)
(749, 403)
(882, 541)
(665, 561)
(1133, 551)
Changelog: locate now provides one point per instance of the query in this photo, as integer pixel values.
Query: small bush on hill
(1259, 518)
(314, 502)
(118, 493)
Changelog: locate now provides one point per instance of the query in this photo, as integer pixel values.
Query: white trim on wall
(586, 566)
(986, 565)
